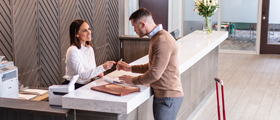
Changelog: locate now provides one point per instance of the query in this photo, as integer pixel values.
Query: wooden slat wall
(67, 14)
(26, 43)
(99, 32)
(113, 28)
(6, 43)
(35, 35)
(49, 42)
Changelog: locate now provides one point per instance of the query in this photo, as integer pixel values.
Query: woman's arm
(74, 63)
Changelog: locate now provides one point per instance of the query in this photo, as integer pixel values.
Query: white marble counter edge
(106, 106)
(86, 99)
(188, 63)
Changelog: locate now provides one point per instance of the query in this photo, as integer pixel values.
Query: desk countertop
(86, 99)
(192, 48)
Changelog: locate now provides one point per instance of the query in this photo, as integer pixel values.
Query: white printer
(57, 91)
(8, 79)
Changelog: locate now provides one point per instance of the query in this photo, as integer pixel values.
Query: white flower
(197, 3)
(195, 10)
(215, 9)
(205, 11)
(213, 3)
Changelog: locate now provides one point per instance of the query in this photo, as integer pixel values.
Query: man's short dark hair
(140, 13)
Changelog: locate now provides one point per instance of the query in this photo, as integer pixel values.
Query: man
(162, 71)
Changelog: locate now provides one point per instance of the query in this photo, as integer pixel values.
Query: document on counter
(116, 74)
(112, 80)
(26, 96)
(34, 91)
(113, 77)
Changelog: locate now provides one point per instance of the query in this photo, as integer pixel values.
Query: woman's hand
(101, 75)
(107, 65)
(123, 66)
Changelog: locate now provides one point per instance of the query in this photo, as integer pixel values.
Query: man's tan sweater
(162, 72)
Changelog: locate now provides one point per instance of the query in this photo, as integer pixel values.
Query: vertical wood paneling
(84, 11)
(67, 15)
(48, 21)
(6, 41)
(113, 30)
(100, 34)
(35, 35)
(25, 41)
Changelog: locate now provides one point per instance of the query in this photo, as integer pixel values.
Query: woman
(80, 55)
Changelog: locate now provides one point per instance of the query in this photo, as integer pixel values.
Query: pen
(116, 82)
(119, 62)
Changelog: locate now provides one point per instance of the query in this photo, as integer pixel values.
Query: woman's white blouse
(81, 62)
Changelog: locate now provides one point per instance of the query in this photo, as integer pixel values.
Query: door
(270, 27)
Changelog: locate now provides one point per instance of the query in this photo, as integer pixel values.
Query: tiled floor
(246, 40)
(241, 40)
(274, 37)
(251, 85)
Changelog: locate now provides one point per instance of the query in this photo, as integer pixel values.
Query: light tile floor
(252, 88)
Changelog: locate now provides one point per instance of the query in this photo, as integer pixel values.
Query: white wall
(133, 6)
(126, 8)
(175, 16)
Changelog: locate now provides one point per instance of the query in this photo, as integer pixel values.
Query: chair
(228, 26)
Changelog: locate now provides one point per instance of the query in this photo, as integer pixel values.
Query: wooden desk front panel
(132, 50)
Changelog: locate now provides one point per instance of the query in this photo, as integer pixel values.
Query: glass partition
(239, 18)
(192, 21)
(273, 35)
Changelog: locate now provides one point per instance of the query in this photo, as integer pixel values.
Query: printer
(57, 91)
(8, 79)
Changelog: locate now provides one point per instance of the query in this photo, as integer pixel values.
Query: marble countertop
(86, 99)
(191, 49)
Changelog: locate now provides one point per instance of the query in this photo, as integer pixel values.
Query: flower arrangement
(206, 8)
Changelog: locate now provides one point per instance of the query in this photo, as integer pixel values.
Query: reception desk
(198, 60)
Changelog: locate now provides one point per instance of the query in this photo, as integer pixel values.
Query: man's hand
(126, 79)
(123, 66)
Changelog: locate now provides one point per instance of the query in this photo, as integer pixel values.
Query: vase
(207, 25)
